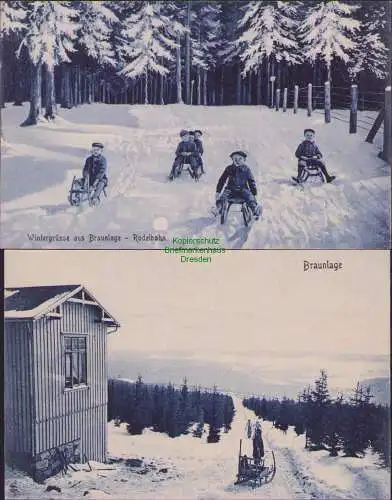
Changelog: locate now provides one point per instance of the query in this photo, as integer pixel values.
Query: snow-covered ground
(189, 468)
(38, 164)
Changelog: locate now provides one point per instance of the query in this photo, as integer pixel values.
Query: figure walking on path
(257, 438)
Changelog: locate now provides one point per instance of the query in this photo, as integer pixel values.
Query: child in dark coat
(239, 182)
(95, 169)
(199, 144)
(186, 152)
(309, 154)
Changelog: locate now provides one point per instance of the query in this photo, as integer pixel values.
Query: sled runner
(245, 210)
(194, 173)
(80, 192)
(309, 171)
(256, 472)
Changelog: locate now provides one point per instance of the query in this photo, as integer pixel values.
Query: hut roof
(33, 302)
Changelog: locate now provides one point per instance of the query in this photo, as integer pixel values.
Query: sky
(243, 301)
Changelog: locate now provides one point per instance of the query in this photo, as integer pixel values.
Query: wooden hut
(55, 353)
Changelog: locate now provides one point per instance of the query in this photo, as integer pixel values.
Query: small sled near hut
(255, 472)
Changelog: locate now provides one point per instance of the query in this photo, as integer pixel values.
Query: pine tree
(206, 42)
(328, 32)
(334, 425)
(269, 31)
(215, 418)
(49, 38)
(318, 405)
(146, 44)
(12, 22)
(176, 29)
(370, 54)
(12, 17)
(95, 34)
(228, 412)
(198, 431)
(357, 430)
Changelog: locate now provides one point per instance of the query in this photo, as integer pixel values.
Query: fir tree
(370, 53)
(358, 417)
(328, 32)
(206, 43)
(95, 34)
(215, 418)
(48, 39)
(269, 30)
(334, 425)
(318, 404)
(146, 44)
(12, 23)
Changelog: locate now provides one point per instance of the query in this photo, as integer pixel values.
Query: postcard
(195, 125)
(131, 376)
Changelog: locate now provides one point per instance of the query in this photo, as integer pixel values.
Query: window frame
(79, 353)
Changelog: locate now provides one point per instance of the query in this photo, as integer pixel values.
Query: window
(75, 361)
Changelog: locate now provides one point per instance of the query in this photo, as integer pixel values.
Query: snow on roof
(34, 301)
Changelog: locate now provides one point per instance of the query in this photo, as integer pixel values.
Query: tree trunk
(188, 55)
(89, 88)
(198, 78)
(239, 84)
(268, 82)
(178, 72)
(35, 96)
(50, 102)
(162, 90)
(72, 86)
(146, 87)
(250, 88)
(2, 96)
(258, 86)
(66, 83)
(78, 86)
(222, 88)
(205, 88)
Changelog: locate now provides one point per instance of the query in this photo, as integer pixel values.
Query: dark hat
(97, 145)
(309, 130)
(198, 131)
(183, 132)
(191, 133)
(241, 153)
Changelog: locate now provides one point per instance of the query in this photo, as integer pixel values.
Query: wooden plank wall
(63, 415)
(18, 387)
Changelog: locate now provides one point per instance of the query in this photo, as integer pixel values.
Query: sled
(254, 472)
(80, 193)
(185, 166)
(309, 172)
(244, 209)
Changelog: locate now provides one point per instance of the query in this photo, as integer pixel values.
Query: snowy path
(188, 468)
(39, 163)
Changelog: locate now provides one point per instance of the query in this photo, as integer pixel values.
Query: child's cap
(241, 153)
(309, 130)
(97, 145)
(183, 132)
(191, 133)
(198, 132)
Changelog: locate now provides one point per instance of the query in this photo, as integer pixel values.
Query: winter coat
(95, 167)
(256, 431)
(238, 178)
(308, 149)
(199, 146)
(187, 147)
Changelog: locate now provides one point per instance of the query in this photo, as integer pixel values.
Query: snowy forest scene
(132, 77)
(187, 381)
